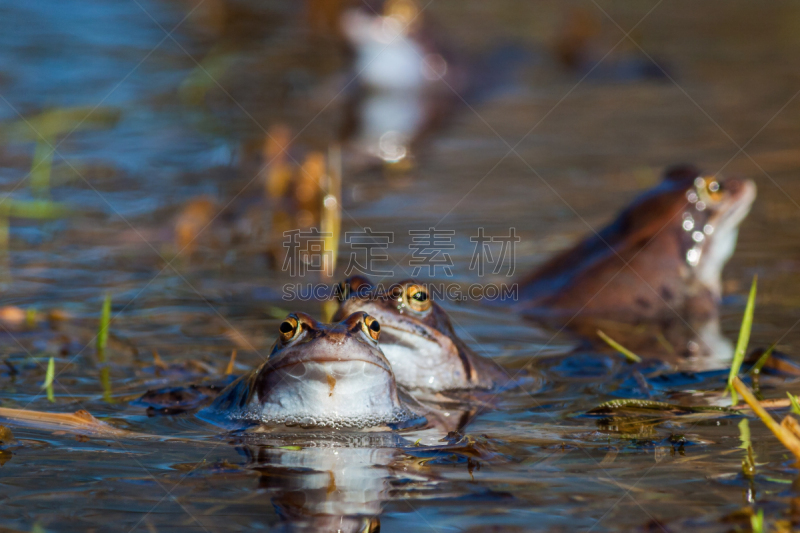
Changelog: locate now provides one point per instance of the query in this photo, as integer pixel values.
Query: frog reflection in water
(319, 375)
(327, 485)
(659, 261)
(418, 338)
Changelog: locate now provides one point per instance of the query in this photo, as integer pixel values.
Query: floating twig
(78, 422)
(229, 369)
(786, 436)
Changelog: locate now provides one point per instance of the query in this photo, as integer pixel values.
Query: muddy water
(162, 132)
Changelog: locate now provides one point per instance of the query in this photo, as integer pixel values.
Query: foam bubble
(308, 421)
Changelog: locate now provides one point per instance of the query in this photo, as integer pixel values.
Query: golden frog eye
(371, 327)
(289, 328)
(714, 189)
(709, 188)
(418, 299)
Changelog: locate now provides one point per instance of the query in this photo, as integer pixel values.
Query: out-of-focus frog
(418, 338)
(662, 256)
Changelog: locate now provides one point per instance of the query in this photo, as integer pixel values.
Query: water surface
(162, 131)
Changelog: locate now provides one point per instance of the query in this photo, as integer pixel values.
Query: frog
(403, 78)
(661, 258)
(317, 376)
(418, 338)
(410, 80)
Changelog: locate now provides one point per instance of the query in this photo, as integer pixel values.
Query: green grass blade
(48, 379)
(744, 434)
(744, 339)
(795, 405)
(30, 317)
(620, 348)
(756, 368)
(102, 334)
(105, 384)
(757, 521)
(41, 167)
(37, 209)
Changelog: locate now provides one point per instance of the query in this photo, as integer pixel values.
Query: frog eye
(418, 299)
(709, 188)
(289, 328)
(371, 327)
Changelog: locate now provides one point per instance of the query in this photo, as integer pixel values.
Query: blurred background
(133, 131)
(156, 151)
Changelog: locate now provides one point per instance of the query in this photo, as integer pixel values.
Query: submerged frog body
(318, 375)
(660, 259)
(418, 338)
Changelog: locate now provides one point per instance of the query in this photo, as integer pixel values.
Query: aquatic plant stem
(784, 435)
(40, 168)
(102, 333)
(629, 355)
(48, 380)
(744, 339)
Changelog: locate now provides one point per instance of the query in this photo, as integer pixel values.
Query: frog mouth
(739, 207)
(398, 332)
(328, 361)
(325, 358)
(722, 244)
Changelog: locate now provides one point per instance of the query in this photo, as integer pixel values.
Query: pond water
(150, 103)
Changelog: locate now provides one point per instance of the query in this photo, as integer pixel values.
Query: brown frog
(418, 338)
(661, 258)
(318, 376)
